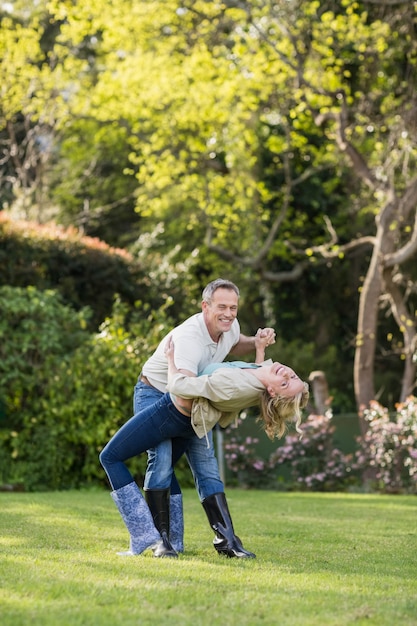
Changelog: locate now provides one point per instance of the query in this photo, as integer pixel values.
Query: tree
(24, 135)
(343, 74)
(274, 141)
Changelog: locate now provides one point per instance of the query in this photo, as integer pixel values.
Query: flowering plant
(247, 467)
(389, 447)
(314, 463)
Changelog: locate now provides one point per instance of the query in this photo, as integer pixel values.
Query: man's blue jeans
(162, 458)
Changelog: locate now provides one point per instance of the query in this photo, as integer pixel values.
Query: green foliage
(221, 124)
(37, 331)
(387, 454)
(248, 470)
(313, 461)
(90, 184)
(86, 397)
(37, 334)
(86, 272)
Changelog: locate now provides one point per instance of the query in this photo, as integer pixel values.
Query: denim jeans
(146, 429)
(162, 458)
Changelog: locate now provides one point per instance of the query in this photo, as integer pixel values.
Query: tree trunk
(407, 325)
(363, 373)
(320, 392)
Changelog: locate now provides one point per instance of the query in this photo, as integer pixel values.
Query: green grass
(322, 559)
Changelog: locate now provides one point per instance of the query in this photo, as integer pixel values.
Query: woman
(218, 397)
(226, 388)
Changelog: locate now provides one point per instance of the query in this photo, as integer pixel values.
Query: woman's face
(282, 381)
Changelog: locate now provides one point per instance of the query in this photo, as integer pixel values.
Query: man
(204, 338)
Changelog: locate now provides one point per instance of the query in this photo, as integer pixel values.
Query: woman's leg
(159, 470)
(143, 431)
(138, 520)
(147, 428)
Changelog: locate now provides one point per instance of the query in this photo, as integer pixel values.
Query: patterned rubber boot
(176, 522)
(137, 518)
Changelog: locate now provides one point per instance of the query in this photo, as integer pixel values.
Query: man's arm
(248, 344)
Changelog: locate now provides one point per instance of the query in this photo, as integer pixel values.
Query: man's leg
(203, 463)
(210, 488)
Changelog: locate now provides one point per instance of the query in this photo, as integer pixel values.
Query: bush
(88, 396)
(37, 335)
(37, 330)
(87, 399)
(86, 272)
(389, 448)
(247, 468)
(309, 463)
(313, 462)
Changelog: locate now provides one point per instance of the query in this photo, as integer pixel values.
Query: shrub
(37, 330)
(246, 467)
(87, 398)
(389, 447)
(86, 271)
(37, 335)
(313, 461)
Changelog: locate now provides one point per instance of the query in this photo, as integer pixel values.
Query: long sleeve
(215, 387)
(218, 397)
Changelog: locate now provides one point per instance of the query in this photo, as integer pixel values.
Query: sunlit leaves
(20, 52)
(214, 99)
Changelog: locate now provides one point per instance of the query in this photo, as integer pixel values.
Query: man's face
(220, 314)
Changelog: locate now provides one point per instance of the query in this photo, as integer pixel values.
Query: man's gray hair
(219, 283)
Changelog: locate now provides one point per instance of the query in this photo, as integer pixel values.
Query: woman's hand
(264, 337)
(169, 353)
(169, 349)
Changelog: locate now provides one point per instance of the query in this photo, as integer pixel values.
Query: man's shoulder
(195, 327)
(193, 324)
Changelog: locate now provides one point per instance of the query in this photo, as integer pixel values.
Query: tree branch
(405, 253)
(359, 164)
(287, 276)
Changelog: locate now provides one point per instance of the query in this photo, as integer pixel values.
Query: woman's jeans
(162, 457)
(144, 430)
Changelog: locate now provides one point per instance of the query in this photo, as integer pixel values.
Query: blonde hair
(277, 411)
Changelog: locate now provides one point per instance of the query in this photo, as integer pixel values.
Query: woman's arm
(192, 387)
(262, 341)
(180, 402)
(169, 353)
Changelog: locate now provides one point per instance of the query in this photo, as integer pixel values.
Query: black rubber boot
(158, 503)
(218, 515)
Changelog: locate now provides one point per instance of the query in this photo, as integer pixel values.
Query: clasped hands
(264, 337)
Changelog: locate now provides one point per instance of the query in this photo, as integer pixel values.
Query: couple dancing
(184, 389)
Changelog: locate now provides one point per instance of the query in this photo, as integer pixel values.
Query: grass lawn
(322, 559)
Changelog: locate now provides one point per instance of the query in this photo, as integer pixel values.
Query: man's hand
(267, 335)
(248, 344)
